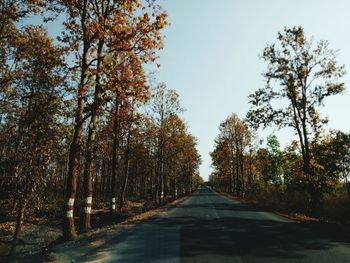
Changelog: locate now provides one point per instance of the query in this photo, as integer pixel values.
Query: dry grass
(38, 234)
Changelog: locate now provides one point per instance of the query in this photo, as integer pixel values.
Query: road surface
(208, 227)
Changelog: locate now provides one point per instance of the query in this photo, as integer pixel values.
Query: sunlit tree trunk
(242, 173)
(161, 157)
(68, 226)
(116, 131)
(90, 149)
(126, 169)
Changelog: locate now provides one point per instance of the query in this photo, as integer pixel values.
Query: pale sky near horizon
(211, 57)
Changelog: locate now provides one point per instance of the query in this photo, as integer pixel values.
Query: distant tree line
(79, 120)
(313, 169)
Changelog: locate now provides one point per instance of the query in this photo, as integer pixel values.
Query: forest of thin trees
(82, 123)
(311, 174)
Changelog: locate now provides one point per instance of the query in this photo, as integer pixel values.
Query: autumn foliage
(79, 119)
(310, 175)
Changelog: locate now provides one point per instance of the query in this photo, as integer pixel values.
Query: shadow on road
(213, 229)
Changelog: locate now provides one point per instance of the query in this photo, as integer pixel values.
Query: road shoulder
(329, 228)
(97, 238)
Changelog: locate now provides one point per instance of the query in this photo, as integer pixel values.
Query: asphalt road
(208, 227)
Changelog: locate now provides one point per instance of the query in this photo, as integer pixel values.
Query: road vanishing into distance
(208, 227)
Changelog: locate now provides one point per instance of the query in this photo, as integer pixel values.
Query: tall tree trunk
(126, 169)
(232, 170)
(19, 221)
(238, 179)
(175, 188)
(72, 175)
(86, 218)
(116, 131)
(233, 185)
(242, 173)
(160, 160)
(300, 124)
(68, 227)
(90, 149)
(312, 189)
(104, 173)
(154, 183)
(161, 181)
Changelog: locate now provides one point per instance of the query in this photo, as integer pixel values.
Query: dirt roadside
(37, 239)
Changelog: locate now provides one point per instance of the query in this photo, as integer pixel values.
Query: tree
(138, 38)
(181, 157)
(305, 74)
(275, 156)
(164, 103)
(79, 37)
(130, 119)
(261, 166)
(126, 79)
(33, 99)
(98, 32)
(334, 156)
(229, 154)
(327, 173)
(197, 181)
(223, 174)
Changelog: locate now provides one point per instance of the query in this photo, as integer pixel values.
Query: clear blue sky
(211, 57)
